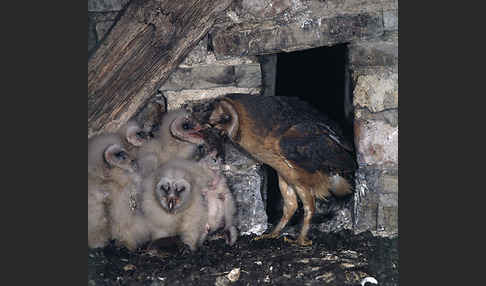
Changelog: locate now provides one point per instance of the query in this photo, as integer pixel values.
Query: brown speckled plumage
(304, 146)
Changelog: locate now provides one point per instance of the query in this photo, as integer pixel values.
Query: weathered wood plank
(148, 42)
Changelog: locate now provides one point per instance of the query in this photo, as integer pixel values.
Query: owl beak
(135, 166)
(171, 204)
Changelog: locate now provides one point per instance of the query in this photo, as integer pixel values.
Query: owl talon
(268, 235)
(299, 241)
(185, 250)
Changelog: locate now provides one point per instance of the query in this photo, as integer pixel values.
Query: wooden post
(147, 43)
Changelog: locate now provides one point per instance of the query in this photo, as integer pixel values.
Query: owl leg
(308, 203)
(290, 206)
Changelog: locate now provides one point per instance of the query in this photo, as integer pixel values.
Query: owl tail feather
(328, 185)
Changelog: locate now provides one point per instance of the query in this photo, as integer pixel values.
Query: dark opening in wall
(319, 76)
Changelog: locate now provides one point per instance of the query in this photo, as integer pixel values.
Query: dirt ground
(333, 259)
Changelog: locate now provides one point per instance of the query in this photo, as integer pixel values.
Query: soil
(341, 258)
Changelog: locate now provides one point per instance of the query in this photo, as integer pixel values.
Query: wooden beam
(147, 43)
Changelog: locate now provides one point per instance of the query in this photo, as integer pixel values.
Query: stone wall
(238, 55)
(374, 66)
(256, 27)
(370, 28)
(202, 76)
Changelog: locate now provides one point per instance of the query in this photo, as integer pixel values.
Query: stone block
(366, 202)
(102, 28)
(374, 53)
(259, 9)
(202, 54)
(176, 99)
(106, 5)
(376, 200)
(200, 77)
(211, 76)
(91, 34)
(388, 199)
(286, 11)
(389, 4)
(376, 142)
(98, 25)
(255, 27)
(376, 91)
(287, 33)
(268, 65)
(387, 221)
(389, 116)
(390, 20)
(245, 179)
(248, 75)
(390, 185)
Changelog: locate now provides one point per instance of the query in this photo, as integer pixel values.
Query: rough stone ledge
(212, 76)
(176, 99)
(201, 55)
(271, 36)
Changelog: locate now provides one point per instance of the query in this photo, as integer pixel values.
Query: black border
(56, 200)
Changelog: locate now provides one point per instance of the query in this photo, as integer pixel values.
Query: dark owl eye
(226, 118)
(141, 135)
(181, 189)
(186, 125)
(164, 187)
(122, 155)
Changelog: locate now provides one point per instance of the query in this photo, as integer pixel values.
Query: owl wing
(314, 146)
